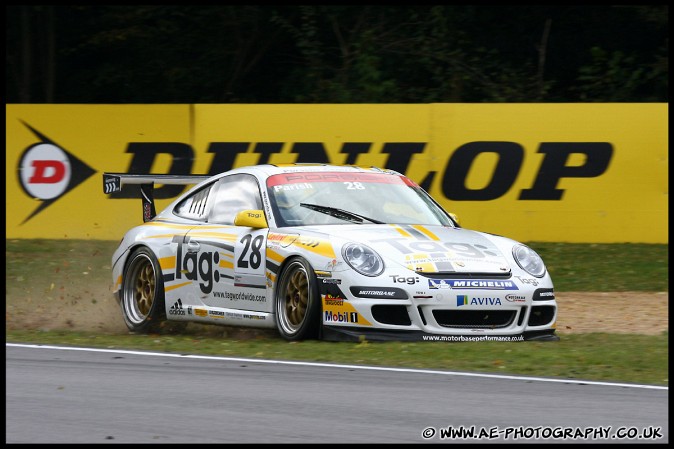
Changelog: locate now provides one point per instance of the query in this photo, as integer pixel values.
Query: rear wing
(113, 182)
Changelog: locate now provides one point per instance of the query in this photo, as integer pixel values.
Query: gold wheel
(297, 301)
(142, 292)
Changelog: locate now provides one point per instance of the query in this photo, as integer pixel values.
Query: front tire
(142, 293)
(298, 301)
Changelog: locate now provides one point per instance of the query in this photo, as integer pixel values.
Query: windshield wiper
(340, 213)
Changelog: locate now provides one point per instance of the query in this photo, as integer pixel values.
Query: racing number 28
(255, 254)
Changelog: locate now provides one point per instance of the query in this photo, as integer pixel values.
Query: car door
(230, 259)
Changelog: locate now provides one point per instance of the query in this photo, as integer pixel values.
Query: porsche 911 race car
(323, 252)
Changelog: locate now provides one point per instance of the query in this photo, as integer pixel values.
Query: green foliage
(611, 77)
(336, 54)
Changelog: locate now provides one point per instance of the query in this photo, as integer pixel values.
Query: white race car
(324, 252)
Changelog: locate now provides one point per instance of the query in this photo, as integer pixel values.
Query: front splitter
(335, 333)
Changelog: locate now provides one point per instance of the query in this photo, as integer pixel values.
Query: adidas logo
(177, 308)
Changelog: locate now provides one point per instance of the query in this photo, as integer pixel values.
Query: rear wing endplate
(113, 182)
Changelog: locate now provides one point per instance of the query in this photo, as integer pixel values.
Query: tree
(336, 54)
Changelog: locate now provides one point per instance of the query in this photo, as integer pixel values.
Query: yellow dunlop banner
(586, 173)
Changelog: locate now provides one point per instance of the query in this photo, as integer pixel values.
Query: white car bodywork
(435, 279)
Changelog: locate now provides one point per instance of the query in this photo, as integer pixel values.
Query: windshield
(379, 197)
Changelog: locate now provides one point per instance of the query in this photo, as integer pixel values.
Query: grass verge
(574, 267)
(601, 357)
(60, 278)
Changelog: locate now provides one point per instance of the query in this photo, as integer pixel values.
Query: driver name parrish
(299, 186)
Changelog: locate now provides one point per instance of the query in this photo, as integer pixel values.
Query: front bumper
(418, 314)
(352, 334)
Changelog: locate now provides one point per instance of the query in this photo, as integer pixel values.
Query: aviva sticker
(462, 300)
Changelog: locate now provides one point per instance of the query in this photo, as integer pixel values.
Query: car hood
(429, 249)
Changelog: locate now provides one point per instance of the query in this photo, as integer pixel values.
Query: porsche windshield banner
(585, 173)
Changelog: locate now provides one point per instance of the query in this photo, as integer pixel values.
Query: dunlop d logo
(47, 171)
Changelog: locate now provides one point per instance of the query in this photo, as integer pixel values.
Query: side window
(194, 206)
(232, 194)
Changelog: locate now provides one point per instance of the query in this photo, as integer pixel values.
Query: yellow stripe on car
(402, 231)
(173, 287)
(426, 232)
(274, 256)
(167, 262)
(219, 235)
(318, 246)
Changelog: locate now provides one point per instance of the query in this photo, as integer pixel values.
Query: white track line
(332, 365)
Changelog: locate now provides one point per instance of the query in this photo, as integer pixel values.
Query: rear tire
(142, 293)
(298, 302)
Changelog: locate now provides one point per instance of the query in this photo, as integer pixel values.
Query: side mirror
(251, 218)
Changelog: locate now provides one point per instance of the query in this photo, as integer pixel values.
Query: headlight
(363, 259)
(529, 260)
